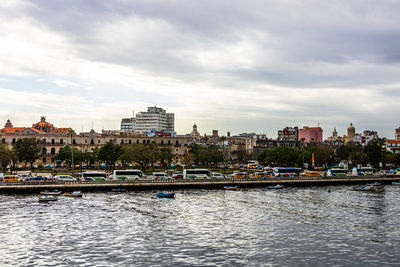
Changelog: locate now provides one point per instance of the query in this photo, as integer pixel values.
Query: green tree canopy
(110, 153)
(28, 149)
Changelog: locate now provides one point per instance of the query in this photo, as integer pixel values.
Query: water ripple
(249, 227)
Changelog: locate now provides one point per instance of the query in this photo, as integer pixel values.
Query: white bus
(196, 174)
(128, 175)
(94, 176)
(337, 172)
(363, 171)
(286, 172)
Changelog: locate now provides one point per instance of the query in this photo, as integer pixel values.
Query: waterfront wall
(170, 184)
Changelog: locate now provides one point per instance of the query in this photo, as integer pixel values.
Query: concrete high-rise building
(310, 134)
(288, 134)
(155, 119)
(128, 124)
(170, 122)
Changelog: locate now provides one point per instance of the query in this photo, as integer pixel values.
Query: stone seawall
(170, 184)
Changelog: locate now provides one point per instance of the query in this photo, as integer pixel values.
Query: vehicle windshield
(339, 171)
(288, 170)
(103, 175)
(197, 172)
(127, 173)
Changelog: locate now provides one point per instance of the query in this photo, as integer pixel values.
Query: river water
(249, 227)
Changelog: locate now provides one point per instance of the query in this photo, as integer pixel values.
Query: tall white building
(128, 124)
(155, 119)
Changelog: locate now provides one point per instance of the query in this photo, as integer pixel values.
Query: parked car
(64, 178)
(217, 175)
(177, 175)
(160, 175)
(25, 177)
(12, 178)
(37, 178)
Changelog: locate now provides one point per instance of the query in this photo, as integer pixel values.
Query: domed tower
(195, 133)
(334, 134)
(351, 131)
(8, 124)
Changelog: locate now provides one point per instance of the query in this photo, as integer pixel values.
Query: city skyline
(237, 67)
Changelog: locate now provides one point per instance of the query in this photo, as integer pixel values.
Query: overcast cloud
(238, 66)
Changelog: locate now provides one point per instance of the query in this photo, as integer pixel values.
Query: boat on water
(396, 183)
(51, 193)
(47, 198)
(165, 195)
(119, 190)
(375, 184)
(278, 186)
(74, 194)
(230, 188)
(370, 188)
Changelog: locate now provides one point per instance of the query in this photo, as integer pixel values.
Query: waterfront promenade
(171, 184)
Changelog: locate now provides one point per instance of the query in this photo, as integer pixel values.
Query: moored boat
(370, 188)
(165, 195)
(230, 188)
(278, 186)
(51, 193)
(74, 194)
(47, 198)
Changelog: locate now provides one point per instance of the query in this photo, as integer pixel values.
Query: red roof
(12, 129)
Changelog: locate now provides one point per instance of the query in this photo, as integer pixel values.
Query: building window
(92, 142)
(44, 151)
(74, 141)
(148, 141)
(98, 141)
(13, 141)
(53, 141)
(44, 160)
(52, 160)
(130, 141)
(144, 141)
(162, 142)
(169, 142)
(3, 141)
(137, 141)
(53, 151)
(122, 141)
(61, 141)
(177, 143)
(85, 141)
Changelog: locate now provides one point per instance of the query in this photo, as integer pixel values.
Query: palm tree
(71, 132)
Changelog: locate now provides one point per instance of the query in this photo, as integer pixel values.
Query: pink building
(310, 134)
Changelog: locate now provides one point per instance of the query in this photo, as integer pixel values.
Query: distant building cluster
(156, 125)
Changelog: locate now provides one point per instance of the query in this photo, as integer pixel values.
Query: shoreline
(171, 184)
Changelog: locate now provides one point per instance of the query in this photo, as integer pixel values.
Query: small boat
(396, 183)
(230, 187)
(165, 195)
(119, 190)
(278, 186)
(47, 198)
(369, 188)
(74, 194)
(375, 184)
(51, 193)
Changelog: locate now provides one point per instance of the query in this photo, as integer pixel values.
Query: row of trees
(372, 154)
(25, 150)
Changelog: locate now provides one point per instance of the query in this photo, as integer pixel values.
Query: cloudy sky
(238, 66)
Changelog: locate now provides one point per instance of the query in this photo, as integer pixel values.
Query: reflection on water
(294, 226)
